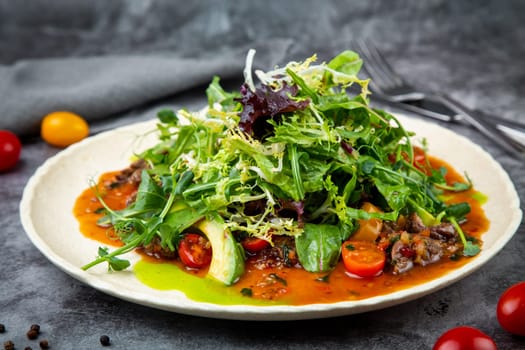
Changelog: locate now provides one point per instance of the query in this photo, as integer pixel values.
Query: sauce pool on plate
(269, 286)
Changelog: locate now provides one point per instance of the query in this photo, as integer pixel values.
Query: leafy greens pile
(302, 146)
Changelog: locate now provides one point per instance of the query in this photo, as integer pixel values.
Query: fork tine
(384, 78)
(377, 67)
(386, 67)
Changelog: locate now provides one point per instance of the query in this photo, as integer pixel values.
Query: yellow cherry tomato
(63, 128)
(369, 229)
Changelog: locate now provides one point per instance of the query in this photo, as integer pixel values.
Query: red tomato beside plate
(464, 338)
(10, 148)
(511, 309)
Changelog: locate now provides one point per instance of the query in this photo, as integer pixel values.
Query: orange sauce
(87, 208)
(293, 286)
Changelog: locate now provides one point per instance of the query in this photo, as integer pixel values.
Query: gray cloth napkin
(100, 87)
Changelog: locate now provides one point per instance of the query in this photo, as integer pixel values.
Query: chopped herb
(247, 292)
(278, 279)
(455, 257)
(325, 278)
(354, 293)
(100, 210)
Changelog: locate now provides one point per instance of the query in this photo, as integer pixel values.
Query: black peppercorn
(28, 348)
(9, 345)
(32, 334)
(44, 344)
(2, 328)
(35, 327)
(104, 340)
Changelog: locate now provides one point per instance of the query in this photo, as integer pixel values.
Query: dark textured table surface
(472, 50)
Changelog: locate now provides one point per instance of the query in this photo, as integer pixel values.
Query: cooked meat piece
(136, 176)
(131, 199)
(415, 224)
(131, 174)
(282, 253)
(444, 232)
(154, 249)
(389, 227)
(427, 250)
(451, 248)
(410, 249)
(410, 242)
(401, 256)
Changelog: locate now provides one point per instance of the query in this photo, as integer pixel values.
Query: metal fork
(384, 79)
(389, 86)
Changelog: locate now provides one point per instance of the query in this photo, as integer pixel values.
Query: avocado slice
(227, 262)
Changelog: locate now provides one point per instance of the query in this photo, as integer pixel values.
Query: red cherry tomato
(420, 157)
(511, 309)
(464, 338)
(254, 244)
(10, 148)
(363, 258)
(419, 160)
(195, 251)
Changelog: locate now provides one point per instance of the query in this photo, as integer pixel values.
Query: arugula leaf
(439, 181)
(150, 195)
(305, 89)
(150, 199)
(296, 171)
(395, 195)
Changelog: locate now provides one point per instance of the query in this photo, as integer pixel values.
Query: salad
(294, 169)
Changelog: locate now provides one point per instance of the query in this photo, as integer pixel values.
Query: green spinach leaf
(319, 247)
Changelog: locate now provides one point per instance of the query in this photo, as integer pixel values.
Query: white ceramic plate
(48, 199)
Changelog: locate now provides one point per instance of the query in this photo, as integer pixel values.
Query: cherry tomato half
(363, 258)
(464, 338)
(195, 251)
(63, 128)
(511, 309)
(420, 157)
(10, 148)
(254, 244)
